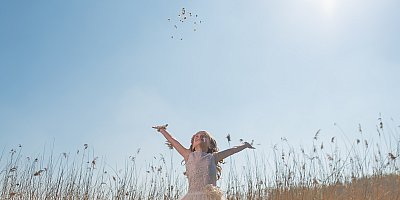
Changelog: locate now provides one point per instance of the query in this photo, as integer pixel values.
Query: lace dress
(201, 171)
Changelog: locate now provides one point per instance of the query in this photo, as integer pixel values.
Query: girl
(202, 163)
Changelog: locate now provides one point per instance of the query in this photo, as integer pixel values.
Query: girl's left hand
(248, 145)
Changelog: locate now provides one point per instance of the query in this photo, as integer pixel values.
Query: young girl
(202, 163)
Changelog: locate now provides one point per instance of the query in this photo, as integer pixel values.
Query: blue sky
(103, 72)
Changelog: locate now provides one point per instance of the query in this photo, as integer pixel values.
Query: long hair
(212, 149)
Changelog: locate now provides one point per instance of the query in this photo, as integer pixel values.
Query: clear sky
(103, 72)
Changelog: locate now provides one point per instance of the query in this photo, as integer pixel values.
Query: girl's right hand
(159, 128)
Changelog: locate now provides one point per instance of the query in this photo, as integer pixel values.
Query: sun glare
(328, 7)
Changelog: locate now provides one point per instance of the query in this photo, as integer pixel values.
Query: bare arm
(178, 146)
(228, 152)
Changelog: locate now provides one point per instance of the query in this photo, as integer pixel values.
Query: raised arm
(178, 146)
(228, 152)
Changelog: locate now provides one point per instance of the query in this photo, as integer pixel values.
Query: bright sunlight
(328, 7)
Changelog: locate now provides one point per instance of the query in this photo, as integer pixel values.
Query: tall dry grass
(349, 169)
(358, 169)
(81, 175)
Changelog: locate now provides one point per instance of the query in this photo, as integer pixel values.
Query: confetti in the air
(185, 23)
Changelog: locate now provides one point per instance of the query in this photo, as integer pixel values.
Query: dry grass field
(363, 170)
(378, 187)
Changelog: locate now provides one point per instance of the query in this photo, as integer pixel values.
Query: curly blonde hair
(212, 149)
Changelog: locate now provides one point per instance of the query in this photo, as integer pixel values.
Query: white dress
(201, 170)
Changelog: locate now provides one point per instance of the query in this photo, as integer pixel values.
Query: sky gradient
(103, 72)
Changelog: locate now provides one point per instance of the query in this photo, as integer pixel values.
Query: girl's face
(201, 139)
